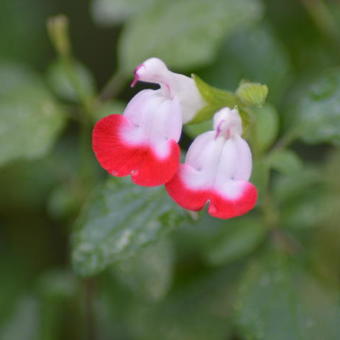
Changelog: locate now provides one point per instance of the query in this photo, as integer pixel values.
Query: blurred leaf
(148, 273)
(193, 130)
(278, 300)
(284, 161)
(107, 108)
(119, 220)
(184, 33)
(59, 77)
(238, 238)
(303, 199)
(317, 113)
(30, 120)
(260, 178)
(254, 54)
(252, 94)
(266, 126)
(23, 323)
(198, 310)
(108, 12)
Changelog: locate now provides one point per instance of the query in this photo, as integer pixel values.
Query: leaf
(216, 99)
(148, 274)
(278, 300)
(120, 219)
(266, 126)
(238, 238)
(25, 314)
(254, 54)
(108, 107)
(30, 119)
(284, 161)
(109, 12)
(60, 79)
(184, 33)
(317, 111)
(252, 94)
(198, 310)
(193, 130)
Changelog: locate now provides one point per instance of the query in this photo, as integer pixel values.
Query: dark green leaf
(120, 219)
(148, 273)
(317, 111)
(279, 300)
(238, 238)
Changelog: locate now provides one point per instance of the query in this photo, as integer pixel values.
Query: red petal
(224, 208)
(121, 159)
(184, 196)
(219, 206)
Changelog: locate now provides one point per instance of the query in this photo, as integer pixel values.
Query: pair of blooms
(142, 143)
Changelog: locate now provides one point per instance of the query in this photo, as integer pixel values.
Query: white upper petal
(154, 70)
(155, 119)
(214, 163)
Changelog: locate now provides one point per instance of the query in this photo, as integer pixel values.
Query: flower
(216, 171)
(142, 142)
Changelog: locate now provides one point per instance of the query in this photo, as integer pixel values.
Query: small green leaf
(108, 107)
(284, 161)
(238, 238)
(148, 274)
(266, 126)
(30, 119)
(184, 33)
(279, 300)
(215, 99)
(252, 94)
(60, 79)
(120, 219)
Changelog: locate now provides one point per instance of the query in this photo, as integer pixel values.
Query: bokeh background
(273, 274)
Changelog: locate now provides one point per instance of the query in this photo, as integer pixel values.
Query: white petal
(228, 122)
(155, 120)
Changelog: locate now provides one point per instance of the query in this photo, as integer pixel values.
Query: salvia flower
(217, 170)
(142, 142)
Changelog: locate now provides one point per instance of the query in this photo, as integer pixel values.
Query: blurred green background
(86, 257)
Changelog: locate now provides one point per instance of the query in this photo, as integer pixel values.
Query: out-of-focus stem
(113, 86)
(324, 20)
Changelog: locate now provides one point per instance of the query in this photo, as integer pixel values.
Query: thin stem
(113, 86)
(324, 20)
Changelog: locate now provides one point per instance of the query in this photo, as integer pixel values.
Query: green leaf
(252, 94)
(148, 274)
(120, 219)
(238, 238)
(279, 300)
(193, 130)
(215, 98)
(254, 54)
(60, 79)
(108, 107)
(184, 33)
(317, 111)
(25, 314)
(109, 12)
(266, 126)
(198, 310)
(30, 122)
(260, 178)
(284, 161)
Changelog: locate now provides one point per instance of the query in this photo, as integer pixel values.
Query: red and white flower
(142, 142)
(217, 170)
